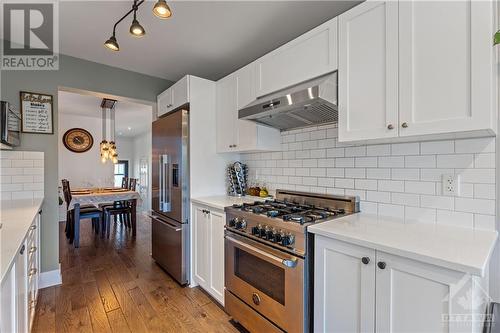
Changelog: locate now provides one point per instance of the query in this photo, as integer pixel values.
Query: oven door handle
(287, 262)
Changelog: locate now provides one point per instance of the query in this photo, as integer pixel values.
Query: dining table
(100, 196)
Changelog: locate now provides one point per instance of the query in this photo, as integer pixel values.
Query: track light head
(162, 10)
(112, 44)
(136, 29)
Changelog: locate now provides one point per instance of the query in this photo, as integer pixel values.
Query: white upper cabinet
(235, 135)
(445, 66)
(173, 97)
(417, 68)
(308, 56)
(368, 78)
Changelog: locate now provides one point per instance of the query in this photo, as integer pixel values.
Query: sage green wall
(80, 74)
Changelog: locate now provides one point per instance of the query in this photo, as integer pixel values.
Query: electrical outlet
(451, 184)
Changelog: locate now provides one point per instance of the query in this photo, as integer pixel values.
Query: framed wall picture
(37, 113)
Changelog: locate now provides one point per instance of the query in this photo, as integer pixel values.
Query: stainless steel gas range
(269, 258)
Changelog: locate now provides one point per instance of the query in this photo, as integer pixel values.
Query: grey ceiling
(209, 39)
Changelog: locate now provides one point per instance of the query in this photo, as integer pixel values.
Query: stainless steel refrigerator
(170, 194)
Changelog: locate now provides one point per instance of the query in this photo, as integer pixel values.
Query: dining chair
(123, 210)
(85, 212)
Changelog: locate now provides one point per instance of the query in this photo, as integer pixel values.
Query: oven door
(269, 280)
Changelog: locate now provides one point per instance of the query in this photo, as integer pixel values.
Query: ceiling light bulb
(115, 160)
(136, 29)
(162, 10)
(112, 44)
(103, 160)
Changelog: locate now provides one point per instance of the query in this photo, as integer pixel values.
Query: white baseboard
(50, 278)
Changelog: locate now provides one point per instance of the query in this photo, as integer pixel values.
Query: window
(121, 170)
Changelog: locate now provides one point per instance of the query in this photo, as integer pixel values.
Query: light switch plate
(451, 184)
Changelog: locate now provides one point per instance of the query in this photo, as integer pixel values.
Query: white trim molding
(50, 278)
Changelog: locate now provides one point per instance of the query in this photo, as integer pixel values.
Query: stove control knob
(288, 240)
(270, 233)
(233, 221)
(263, 231)
(256, 230)
(240, 224)
(278, 237)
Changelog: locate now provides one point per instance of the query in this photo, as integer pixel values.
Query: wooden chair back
(66, 191)
(132, 184)
(125, 183)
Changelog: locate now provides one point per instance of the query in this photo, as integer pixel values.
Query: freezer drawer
(169, 247)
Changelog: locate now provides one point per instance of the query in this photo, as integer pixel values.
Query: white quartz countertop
(456, 248)
(222, 201)
(16, 217)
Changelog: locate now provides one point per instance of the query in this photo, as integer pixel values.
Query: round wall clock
(78, 140)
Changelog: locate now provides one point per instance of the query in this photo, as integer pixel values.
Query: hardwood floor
(113, 285)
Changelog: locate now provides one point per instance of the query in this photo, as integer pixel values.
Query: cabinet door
(368, 72)
(344, 287)
(180, 92)
(246, 130)
(227, 113)
(446, 66)
(164, 102)
(8, 302)
(415, 297)
(217, 221)
(21, 264)
(201, 246)
(306, 57)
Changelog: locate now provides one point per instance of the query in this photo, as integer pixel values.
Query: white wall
(83, 169)
(125, 147)
(401, 180)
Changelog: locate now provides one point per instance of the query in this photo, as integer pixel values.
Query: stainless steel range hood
(310, 103)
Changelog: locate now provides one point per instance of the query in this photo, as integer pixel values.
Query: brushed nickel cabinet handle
(32, 272)
(390, 126)
(404, 125)
(33, 249)
(33, 227)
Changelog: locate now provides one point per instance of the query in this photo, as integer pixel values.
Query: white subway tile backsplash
(477, 206)
(365, 184)
(437, 147)
(344, 162)
(391, 210)
(438, 202)
(400, 180)
(21, 175)
(406, 199)
(391, 185)
(423, 161)
(355, 151)
(365, 162)
(406, 174)
(455, 161)
(405, 149)
(420, 187)
(378, 150)
(376, 173)
(484, 160)
(457, 219)
(479, 145)
(391, 162)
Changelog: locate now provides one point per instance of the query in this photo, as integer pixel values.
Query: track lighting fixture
(160, 10)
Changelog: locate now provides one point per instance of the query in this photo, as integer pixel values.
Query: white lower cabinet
(358, 289)
(208, 249)
(19, 288)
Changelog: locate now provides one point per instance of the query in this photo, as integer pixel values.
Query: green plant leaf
(496, 38)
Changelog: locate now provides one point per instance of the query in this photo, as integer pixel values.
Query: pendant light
(112, 44)
(136, 29)
(160, 10)
(108, 147)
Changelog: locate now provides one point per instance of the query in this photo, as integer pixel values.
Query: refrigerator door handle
(160, 175)
(165, 186)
